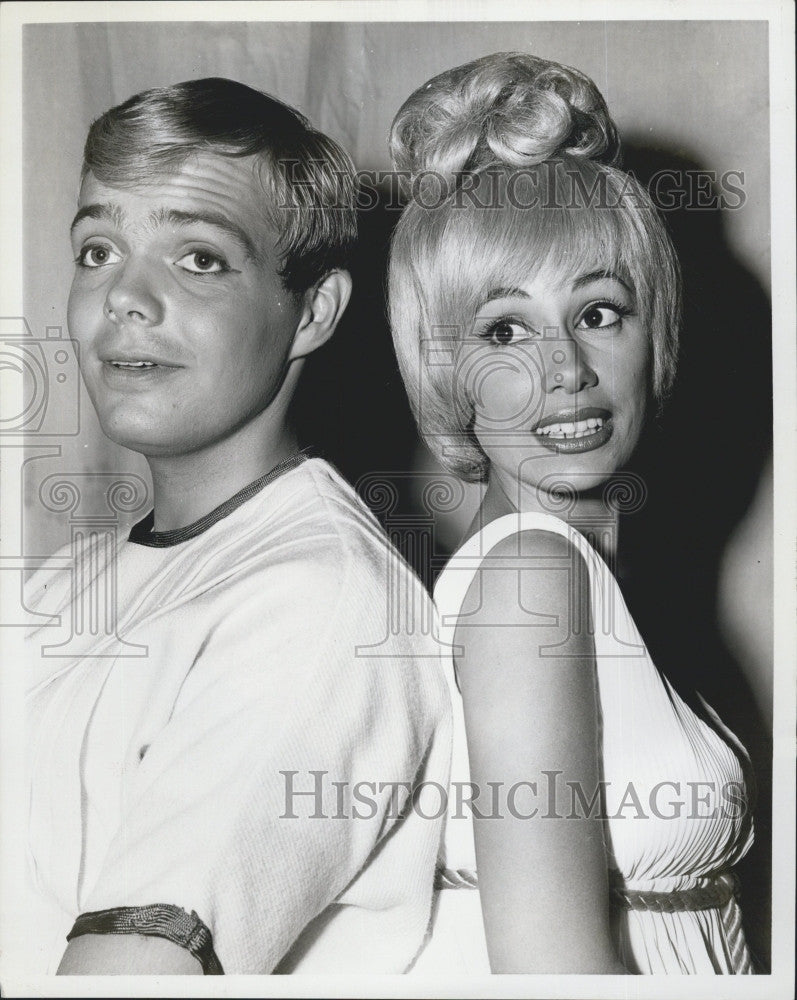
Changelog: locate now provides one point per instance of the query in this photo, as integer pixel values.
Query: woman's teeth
(581, 428)
(133, 364)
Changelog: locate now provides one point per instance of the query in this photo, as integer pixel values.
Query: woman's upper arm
(531, 712)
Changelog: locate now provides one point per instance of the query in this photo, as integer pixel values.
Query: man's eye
(202, 262)
(506, 331)
(602, 314)
(97, 255)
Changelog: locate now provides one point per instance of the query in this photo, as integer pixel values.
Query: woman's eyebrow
(510, 292)
(601, 275)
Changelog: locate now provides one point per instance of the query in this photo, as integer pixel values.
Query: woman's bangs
(513, 245)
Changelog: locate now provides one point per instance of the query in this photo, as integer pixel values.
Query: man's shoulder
(315, 492)
(314, 511)
(319, 547)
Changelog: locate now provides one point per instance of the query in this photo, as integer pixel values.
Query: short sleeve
(242, 813)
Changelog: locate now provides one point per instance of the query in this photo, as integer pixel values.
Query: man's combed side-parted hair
(308, 179)
(533, 144)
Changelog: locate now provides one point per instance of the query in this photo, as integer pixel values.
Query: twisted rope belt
(717, 893)
(722, 888)
(459, 878)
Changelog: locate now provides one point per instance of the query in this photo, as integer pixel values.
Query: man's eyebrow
(216, 219)
(509, 292)
(601, 275)
(113, 213)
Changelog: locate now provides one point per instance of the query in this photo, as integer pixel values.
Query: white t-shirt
(228, 753)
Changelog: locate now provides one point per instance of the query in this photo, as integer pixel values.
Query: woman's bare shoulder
(528, 592)
(533, 541)
(533, 562)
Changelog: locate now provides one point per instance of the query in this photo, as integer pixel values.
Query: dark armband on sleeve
(159, 920)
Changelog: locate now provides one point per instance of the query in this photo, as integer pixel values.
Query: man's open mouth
(133, 364)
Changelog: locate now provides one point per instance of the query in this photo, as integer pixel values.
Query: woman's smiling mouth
(579, 431)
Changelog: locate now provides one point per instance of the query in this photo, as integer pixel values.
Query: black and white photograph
(398, 499)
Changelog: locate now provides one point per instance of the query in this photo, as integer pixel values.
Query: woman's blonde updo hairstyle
(476, 146)
(507, 108)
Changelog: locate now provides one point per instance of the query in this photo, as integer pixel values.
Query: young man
(236, 789)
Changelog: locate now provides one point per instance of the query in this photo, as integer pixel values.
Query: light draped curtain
(676, 84)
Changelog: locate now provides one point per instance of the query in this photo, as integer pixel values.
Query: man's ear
(323, 306)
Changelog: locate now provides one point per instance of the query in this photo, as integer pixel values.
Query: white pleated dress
(677, 816)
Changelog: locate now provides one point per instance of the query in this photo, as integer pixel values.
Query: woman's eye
(202, 262)
(602, 314)
(97, 255)
(505, 331)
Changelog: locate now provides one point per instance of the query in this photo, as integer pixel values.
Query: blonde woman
(594, 817)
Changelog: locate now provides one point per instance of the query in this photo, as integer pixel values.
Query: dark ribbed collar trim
(142, 533)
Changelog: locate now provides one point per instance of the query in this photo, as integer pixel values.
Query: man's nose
(566, 366)
(134, 296)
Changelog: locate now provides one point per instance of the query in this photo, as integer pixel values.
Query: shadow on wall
(701, 463)
(351, 403)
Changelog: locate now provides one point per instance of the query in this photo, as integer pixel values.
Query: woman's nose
(134, 297)
(567, 368)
